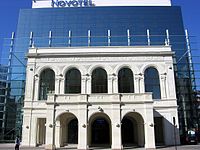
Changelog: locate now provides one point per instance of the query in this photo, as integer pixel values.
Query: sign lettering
(72, 3)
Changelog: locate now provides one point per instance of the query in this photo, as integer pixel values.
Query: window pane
(47, 83)
(99, 81)
(152, 82)
(73, 81)
(125, 81)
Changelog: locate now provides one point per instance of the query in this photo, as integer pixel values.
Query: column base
(117, 148)
(50, 147)
(150, 148)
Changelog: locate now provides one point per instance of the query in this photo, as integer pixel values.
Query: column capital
(163, 76)
(139, 76)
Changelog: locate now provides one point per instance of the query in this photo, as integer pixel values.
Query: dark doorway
(100, 132)
(127, 132)
(158, 121)
(73, 131)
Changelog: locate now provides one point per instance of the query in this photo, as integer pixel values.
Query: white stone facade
(47, 121)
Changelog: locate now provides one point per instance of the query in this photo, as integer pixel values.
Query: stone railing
(100, 98)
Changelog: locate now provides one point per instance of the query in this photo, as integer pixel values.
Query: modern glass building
(106, 26)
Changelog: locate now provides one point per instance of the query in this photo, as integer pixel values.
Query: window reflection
(152, 82)
(125, 81)
(47, 83)
(73, 81)
(99, 81)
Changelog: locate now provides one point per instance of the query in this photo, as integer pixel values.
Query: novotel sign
(72, 3)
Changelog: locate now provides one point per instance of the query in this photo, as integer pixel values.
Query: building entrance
(41, 131)
(73, 131)
(132, 130)
(67, 126)
(127, 132)
(100, 132)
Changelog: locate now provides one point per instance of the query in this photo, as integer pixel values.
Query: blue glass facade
(99, 20)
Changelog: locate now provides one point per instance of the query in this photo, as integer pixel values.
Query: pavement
(182, 147)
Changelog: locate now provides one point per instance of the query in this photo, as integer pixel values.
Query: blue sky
(9, 10)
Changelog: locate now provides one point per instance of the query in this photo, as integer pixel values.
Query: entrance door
(100, 132)
(41, 132)
(73, 131)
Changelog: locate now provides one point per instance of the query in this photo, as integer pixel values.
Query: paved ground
(185, 147)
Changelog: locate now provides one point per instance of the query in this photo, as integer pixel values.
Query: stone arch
(67, 129)
(100, 130)
(42, 68)
(107, 68)
(60, 113)
(159, 68)
(132, 128)
(134, 69)
(67, 68)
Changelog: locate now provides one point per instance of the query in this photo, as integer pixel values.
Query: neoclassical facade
(100, 96)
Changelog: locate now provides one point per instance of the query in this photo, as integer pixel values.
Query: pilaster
(163, 86)
(116, 127)
(84, 84)
(82, 127)
(50, 123)
(149, 127)
(36, 79)
(137, 83)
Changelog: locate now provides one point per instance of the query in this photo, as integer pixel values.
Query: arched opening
(152, 82)
(125, 81)
(132, 130)
(99, 81)
(100, 132)
(47, 83)
(68, 130)
(73, 81)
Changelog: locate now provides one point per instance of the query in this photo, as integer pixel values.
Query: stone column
(116, 125)
(50, 123)
(111, 86)
(115, 83)
(30, 81)
(163, 86)
(57, 84)
(137, 81)
(149, 127)
(89, 84)
(26, 128)
(57, 134)
(84, 84)
(36, 93)
(141, 83)
(82, 124)
(33, 132)
(62, 85)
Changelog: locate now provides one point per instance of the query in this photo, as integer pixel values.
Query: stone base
(50, 147)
